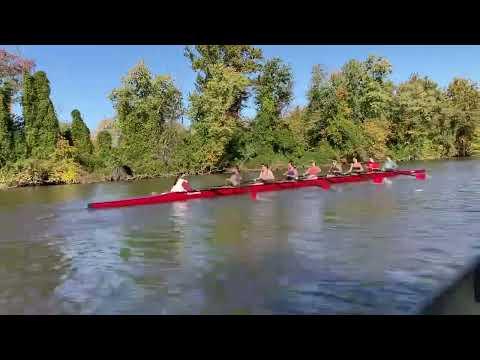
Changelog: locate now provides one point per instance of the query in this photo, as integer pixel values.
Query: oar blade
(325, 185)
(378, 179)
(421, 176)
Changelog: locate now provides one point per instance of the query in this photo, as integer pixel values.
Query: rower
(313, 171)
(389, 165)
(266, 174)
(335, 169)
(181, 185)
(372, 165)
(292, 172)
(355, 167)
(236, 178)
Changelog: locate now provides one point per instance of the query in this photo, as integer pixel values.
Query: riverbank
(278, 167)
(10, 181)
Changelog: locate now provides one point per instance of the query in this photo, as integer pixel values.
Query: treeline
(356, 111)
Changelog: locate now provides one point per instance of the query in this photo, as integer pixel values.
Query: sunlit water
(356, 249)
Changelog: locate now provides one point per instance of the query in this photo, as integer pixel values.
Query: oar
(378, 179)
(421, 176)
(325, 185)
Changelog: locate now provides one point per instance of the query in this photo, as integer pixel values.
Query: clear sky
(82, 76)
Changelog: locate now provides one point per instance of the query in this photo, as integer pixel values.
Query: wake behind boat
(323, 182)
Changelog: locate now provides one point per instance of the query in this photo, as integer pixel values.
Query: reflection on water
(358, 248)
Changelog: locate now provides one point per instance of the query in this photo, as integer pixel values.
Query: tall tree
(81, 135)
(317, 84)
(103, 143)
(19, 142)
(273, 95)
(214, 123)
(242, 59)
(224, 77)
(274, 88)
(28, 108)
(41, 123)
(464, 100)
(46, 122)
(145, 107)
(6, 126)
(416, 113)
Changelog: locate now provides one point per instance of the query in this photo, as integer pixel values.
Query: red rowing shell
(324, 183)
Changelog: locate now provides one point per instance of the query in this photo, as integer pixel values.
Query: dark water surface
(358, 248)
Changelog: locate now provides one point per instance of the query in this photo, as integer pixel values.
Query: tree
(242, 59)
(464, 101)
(104, 141)
(317, 84)
(416, 118)
(28, 108)
(12, 68)
(110, 125)
(19, 142)
(214, 122)
(145, 107)
(6, 126)
(104, 146)
(273, 95)
(41, 123)
(224, 76)
(81, 135)
(274, 88)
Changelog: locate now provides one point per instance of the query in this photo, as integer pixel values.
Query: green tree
(41, 123)
(273, 95)
(103, 144)
(241, 58)
(340, 106)
(464, 101)
(224, 76)
(416, 115)
(214, 122)
(146, 106)
(6, 126)
(81, 135)
(19, 142)
(28, 108)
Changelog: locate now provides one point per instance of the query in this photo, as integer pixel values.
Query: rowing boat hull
(254, 188)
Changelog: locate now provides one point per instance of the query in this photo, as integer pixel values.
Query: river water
(355, 249)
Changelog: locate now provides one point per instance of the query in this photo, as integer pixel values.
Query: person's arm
(187, 186)
(361, 167)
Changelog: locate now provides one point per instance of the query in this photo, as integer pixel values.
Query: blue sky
(82, 76)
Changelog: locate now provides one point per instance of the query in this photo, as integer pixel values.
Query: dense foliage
(357, 111)
(146, 107)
